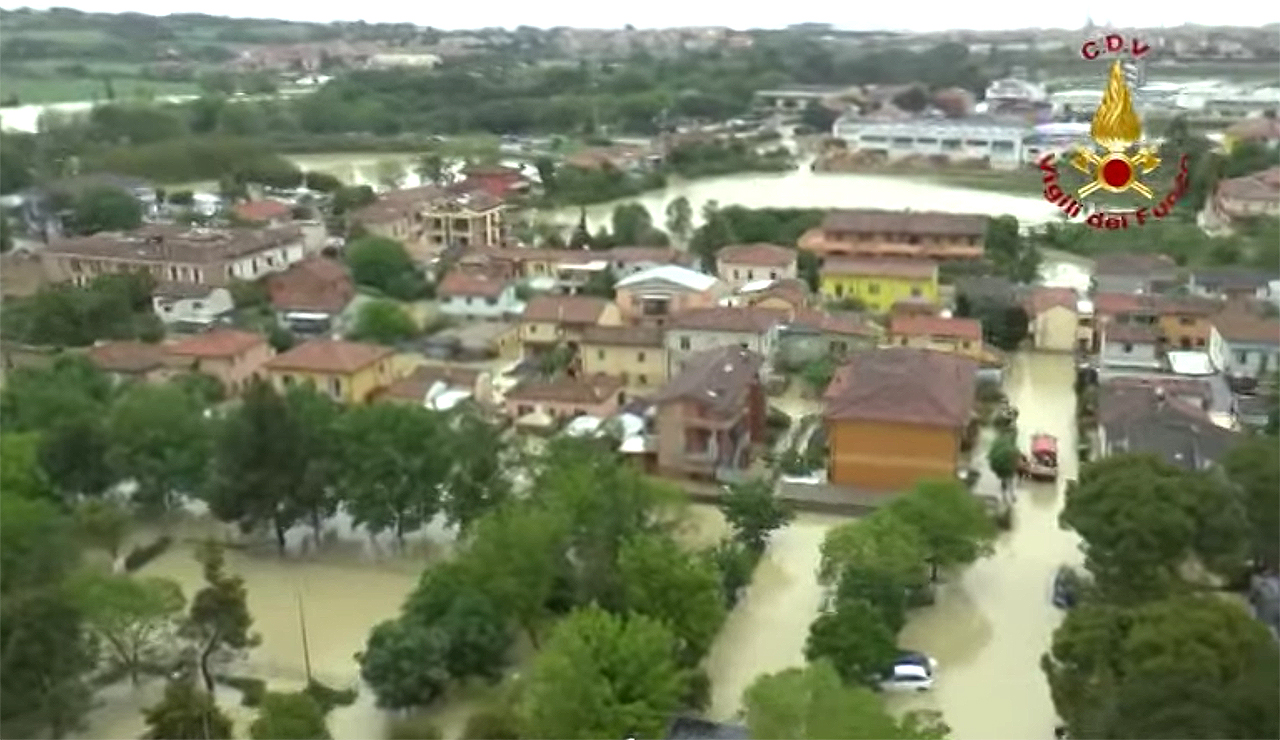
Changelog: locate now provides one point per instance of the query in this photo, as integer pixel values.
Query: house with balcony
(710, 414)
(962, 336)
(898, 234)
(349, 372)
(478, 296)
(636, 354)
(652, 297)
(741, 264)
(231, 356)
(698, 330)
(177, 254)
(549, 321)
(879, 283)
(311, 297)
(1252, 344)
(549, 401)
(428, 220)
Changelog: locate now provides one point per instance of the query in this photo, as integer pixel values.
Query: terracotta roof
(1242, 327)
(314, 284)
(903, 385)
(791, 290)
(1131, 263)
(1131, 333)
(890, 268)
(917, 223)
(623, 336)
(914, 307)
(586, 391)
(1183, 305)
(1042, 299)
(719, 378)
(471, 283)
(330, 356)
(936, 326)
(628, 255)
(840, 323)
(168, 243)
(1114, 304)
(219, 342)
(262, 210)
(126, 357)
(756, 255)
(565, 309)
(1260, 186)
(748, 319)
(415, 386)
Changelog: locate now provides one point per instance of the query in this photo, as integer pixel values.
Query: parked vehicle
(1066, 587)
(1042, 463)
(911, 671)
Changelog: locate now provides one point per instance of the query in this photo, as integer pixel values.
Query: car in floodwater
(1066, 587)
(911, 671)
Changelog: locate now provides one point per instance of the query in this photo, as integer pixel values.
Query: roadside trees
(404, 663)
(104, 524)
(293, 716)
(517, 555)
(1253, 466)
(880, 542)
(159, 439)
(854, 638)
(1003, 457)
(219, 618)
(132, 617)
(953, 525)
(478, 481)
(678, 589)
(754, 512)
(186, 713)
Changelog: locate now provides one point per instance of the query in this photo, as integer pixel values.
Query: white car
(910, 672)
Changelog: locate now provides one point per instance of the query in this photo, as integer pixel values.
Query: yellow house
(552, 320)
(635, 354)
(348, 371)
(957, 336)
(880, 283)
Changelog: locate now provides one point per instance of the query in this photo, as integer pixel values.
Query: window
(735, 274)
(873, 288)
(335, 387)
(642, 379)
(773, 274)
(1242, 356)
(966, 345)
(523, 410)
(197, 305)
(491, 301)
(915, 291)
(743, 345)
(1127, 348)
(684, 342)
(839, 290)
(751, 274)
(287, 380)
(903, 341)
(599, 354)
(639, 357)
(533, 328)
(1186, 321)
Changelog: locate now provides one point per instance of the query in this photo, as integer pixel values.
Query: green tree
(159, 438)
(880, 542)
(602, 675)
(219, 619)
(404, 663)
(384, 322)
(632, 224)
(601, 284)
(1003, 457)
(1253, 466)
(21, 473)
(6, 235)
(352, 198)
(1014, 257)
(392, 464)
(132, 617)
(104, 524)
(518, 554)
(477, 482)
(186, 713)
(1194, 665)
(818, 117)
(682, 591)
(811, 703)
(754, 512)
(1143, 520)
(431, 169)
(106, 209)
(294, 716)
(39, 399)
(881, 589)
(855, 639)
(381, 263)
(953, 524)
(679, 218)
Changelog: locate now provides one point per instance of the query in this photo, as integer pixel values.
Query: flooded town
(382, 381)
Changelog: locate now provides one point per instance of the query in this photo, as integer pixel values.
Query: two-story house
(701, 329)
(741, 264)
(813, 335)
(350, 372)
(563, 398)
(175, 254)
(428, 219)
(1184, 320)
(634, 353)
(231, 356)
(1151, 420)
(1233, 283)
(1134, 273)
(961, 336)
(1133, 346)
(188, 305)
(311, 296)
(1252, 344)
(788, 295)
(900, 234)
(651, 297)
(1121, 308)
(1250, 196)
(475, 295)
(549, 321)
(128, 360)
(710, 414)
(878, 284)
(1053, 318)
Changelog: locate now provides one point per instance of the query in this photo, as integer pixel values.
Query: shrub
(414, 728)
(330, 698)
(143, 554)
(491, 723)
(252, 690)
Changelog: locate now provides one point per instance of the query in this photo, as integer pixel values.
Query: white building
(190, 304)
(1001, 144)
(1014, 91)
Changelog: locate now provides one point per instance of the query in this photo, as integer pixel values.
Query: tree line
(1153, 649)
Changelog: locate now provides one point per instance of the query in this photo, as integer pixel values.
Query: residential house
(176, 254)
(528, 264)
(963, 336)
(700, 329)
(898, 234)
(786, 295)
(427, 220)
(634, 353)
(129, 360)
(1184, 320)
(1262, 130)
(1246, 197)
(815, 335)
(1053, 320)
(1134, 273)
(312, 295)
(271, 212)
(628, 261)
(350, 372)
(1252, 344)
(1233, 283)
(232, 356)
(470, 295)
(1150, 420)
(914, 307)
(740, 264)
(191, 306)
(896, 416)
(417, 387)
(879, 283)
(475, 341)
(562, 398)
(710, 414)
(1130, 346)
(44, 210)
(552, 320)
(654, 296)
(496, 181)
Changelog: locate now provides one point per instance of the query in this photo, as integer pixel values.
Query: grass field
(62, 89)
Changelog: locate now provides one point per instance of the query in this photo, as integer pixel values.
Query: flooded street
(993, 621)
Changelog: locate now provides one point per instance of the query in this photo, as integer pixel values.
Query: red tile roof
(1113, 304)
(1243, 327)
(622, 336)
(903, 385)
(415, 386)
(1131, 333)
(719, 379)
(262, 210)
(565, 309)
(126, 357)
(919, 223)
(586, 391)
(330, 356)
(889, 268)
(217, 343)
(1042, 299)
(936, 326)
(314, 284)
(471, 283)
(747, 320)
(756, 255)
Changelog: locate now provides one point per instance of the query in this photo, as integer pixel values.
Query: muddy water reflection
(992, 622)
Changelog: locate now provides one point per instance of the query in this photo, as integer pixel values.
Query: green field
(62, 89)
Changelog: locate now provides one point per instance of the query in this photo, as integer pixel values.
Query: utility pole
(302, 626)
